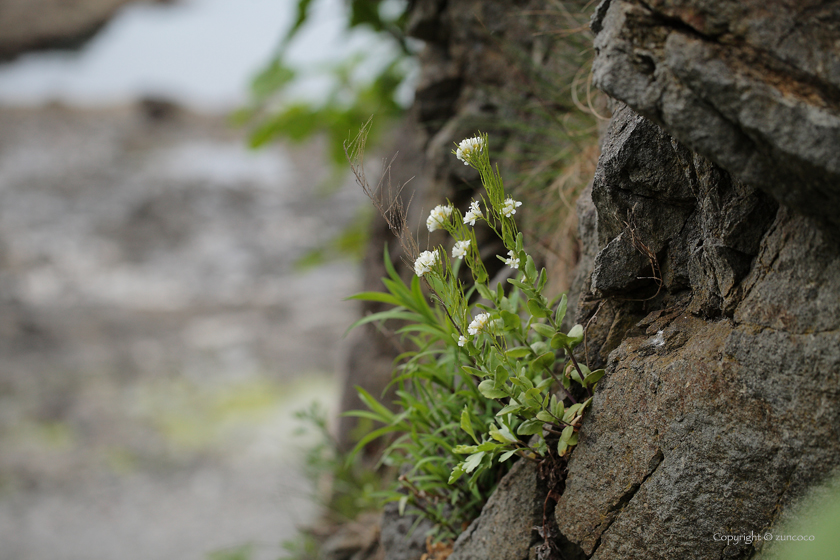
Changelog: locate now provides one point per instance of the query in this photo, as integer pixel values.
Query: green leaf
(485, 293)
(512, 322)
(527, 290)
(464, 449)
(560, 340)
(543, 279)
(576, 334)
(466, 424)
(518, 352)
(562, 447)
(473, 461)
(374, 405)
(507, 455)
(561, 311)
(543, 361)
(593, 377)
(501, 435)
(529, 428)
(500, 378)
(567, 434)
(457, 473)
(539, 347)
(402, 504)
(543, 330)
(536, 308)
(510, 408)
(532, 398)
(531, 269)
(474, 371)
(557, 408)
(544, 416)
(487, 389)
(376, 296)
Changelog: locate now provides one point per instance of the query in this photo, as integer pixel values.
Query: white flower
(479, 323)
(468, 148)
(510, 207)
(460, 249)
(438, 216)
(462, 340)
(473, 213)
(425, 262)
(512, 260)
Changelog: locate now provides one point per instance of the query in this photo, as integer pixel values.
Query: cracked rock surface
(752, 85)
(720, 406)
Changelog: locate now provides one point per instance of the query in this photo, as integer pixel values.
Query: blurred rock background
(156, 335)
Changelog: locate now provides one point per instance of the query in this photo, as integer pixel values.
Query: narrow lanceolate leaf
(466, 424)
(543, 330)
(561, 311)
(487, 389)
(374, 405)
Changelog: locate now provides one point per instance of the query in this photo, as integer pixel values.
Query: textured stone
(721, 406)
(754, 86)
(505, 529)
(403, 538)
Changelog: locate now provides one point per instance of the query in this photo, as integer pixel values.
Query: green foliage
(272, 114)
(352, 484)
(477, 385)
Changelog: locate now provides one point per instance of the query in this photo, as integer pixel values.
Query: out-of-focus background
(168, 295)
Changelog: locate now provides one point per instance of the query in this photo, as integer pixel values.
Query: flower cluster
(462, 340)
(473, 213)
(512, 260)
(479, 323)
(425, 262)
(469, 147)
(510, 207)
(438, 216)
(460, 249)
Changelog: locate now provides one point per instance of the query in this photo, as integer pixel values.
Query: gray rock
(505, 529)
(752, 86)
(703, 425)
(403, 536)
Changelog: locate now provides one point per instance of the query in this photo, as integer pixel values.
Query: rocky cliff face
(709, 282)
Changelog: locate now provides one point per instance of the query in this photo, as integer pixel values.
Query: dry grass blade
(386, 198)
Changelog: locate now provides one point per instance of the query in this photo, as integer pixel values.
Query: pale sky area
(199, 53)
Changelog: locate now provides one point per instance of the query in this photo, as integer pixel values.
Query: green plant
(475, 386)
(274, 113)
